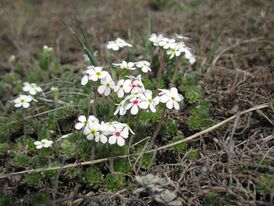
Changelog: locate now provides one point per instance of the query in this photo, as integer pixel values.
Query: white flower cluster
(138, 97)
(43, 143)
(111, 132)
(173, 48)
(117, 44)
(24, 100)
(143, 65)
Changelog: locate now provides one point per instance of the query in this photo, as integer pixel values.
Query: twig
(92, 162)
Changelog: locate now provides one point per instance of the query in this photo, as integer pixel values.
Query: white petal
(26, 105)
(164, 98)
(84, 80)
(143, 105)
(103, 139)
(79, 125)
(134, 109)
(120, 141)
(39, 146)
(90, 137)
(169, 104)
(152, 108)
(82, 118)
(107, 91)
(112, 139)
(121, 93)
(18, 105)
(176, 105)
(101, 89)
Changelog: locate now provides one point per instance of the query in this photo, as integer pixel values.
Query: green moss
(199, 116)
(4, 133)
(21, 160)
(24, 145)
(265, 185)
(121, 166)
(193, 154)
(191, 88)
(147, 160)
(92, 175)
(146, 117)
(214, 199)
(114, 182)
(33, 179)
(179, 147)
(169, 127)
(39, 199)
(3, 148)
(5, 200)
(67, 147)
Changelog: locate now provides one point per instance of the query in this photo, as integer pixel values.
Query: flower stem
(175, 73)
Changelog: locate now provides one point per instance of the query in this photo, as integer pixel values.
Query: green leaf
(113, 182)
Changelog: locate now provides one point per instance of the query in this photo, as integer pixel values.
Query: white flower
(43, 143)
(144, 65)
(23, 101)
(92, 130)
(127, 129)
(122, 43)
(166, 43)
(117, 44)
(190, 57)
(107, 84)
(155, 39)
(147, 101)
(83, 121)
(134, 105)
(122, 87)
(47, 48)
(171, 98)
(31, 88)
(87, 75)
(113, 45)
(118, 137)
(174, 50)
(136, 84)
(102, 134)
(126, 65)
(120, 108)
(97, 73)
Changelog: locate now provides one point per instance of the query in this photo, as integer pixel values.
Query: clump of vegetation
(102, 113)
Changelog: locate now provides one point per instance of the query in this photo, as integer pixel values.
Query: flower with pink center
(134, 104)
(118, 137)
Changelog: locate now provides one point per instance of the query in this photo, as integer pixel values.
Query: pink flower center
(133, 86)
(161, 94)
(135, 102)
(117, 134)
